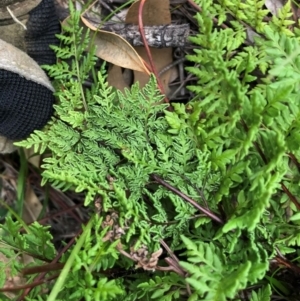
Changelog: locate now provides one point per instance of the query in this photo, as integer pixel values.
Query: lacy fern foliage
(231, 153)
(110, 144)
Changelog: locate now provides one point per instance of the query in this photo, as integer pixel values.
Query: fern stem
(173, 261)
(210, 214)
(78, 75)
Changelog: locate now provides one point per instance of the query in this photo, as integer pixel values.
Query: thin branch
(209, 213)
(167, 248)
(29, 285)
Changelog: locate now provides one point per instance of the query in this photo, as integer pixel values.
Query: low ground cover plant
(189, 201)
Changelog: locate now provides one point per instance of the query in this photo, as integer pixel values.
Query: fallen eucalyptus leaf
(116, 50)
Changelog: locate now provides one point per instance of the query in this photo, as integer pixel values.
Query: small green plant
(193, 203)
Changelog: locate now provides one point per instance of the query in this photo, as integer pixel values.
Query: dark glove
(26, 94)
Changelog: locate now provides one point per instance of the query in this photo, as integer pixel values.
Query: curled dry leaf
(145, 260)
(116, 50)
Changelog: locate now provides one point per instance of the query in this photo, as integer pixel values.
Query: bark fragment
(161, 36)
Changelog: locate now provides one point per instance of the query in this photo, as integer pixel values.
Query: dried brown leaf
(116, 50)
(155, 12)
(161, 58)
(116, 78)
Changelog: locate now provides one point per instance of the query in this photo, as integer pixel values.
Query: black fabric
(25, 106)
(42, 26)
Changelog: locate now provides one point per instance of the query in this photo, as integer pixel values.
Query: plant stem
(210, 214)
(65, 271)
